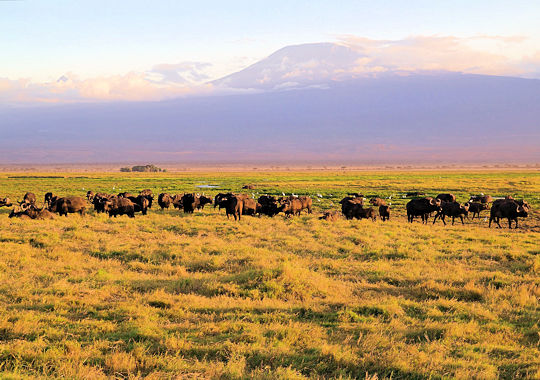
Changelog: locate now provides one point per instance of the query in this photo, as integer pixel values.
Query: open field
(198, 296)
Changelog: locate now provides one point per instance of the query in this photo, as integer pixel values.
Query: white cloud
(471, 55)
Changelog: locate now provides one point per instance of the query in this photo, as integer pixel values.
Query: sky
(162, 48)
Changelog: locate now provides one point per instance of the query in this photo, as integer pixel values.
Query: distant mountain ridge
(296, 66)
(326, 114)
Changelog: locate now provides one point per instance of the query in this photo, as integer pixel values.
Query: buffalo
(233, 206)
(90, 196)
(422, 207)
(164, 200)
(359, 212)
(31, 212)
(291, 206)
(268, 205)
(203, 201)
(68, 205)
(453, 209)
(177, 201)
(190, 202)
(49, 198)
(476, 208)
(348, 203)
(384, 212)
(140, 203)
(250, 206)
(509, 209)
(119, 206)
(149, 195)
(29, 198)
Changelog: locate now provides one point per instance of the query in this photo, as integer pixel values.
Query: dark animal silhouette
(422, 207)
(509, 209)
(164, 200)
(384, 212)
(452, 209)
(68, 205)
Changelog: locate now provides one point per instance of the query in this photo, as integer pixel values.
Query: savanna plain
(174, 295)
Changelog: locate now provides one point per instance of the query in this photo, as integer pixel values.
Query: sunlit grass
(201, 296)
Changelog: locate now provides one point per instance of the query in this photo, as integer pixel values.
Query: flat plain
(170, 295)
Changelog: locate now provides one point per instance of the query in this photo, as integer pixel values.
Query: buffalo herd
(237, 205)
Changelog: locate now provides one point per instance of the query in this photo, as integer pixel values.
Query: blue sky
(42, 40)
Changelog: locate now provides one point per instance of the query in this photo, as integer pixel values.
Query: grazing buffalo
(348, 203)
(481, 198)
(29, 198)
(330, 216)
(203, 201)
(307, 203)
(234, 206)
(177, 201)
(359, 212)
(250, 206)
(249, 187)
(446, 197)
(68, 205)
(164, 200)
(219, 198)
(422, 207)
(100, 199)
(476, 208)
(120, 206)
(190, 202)
(268, 205)
(149, 195)
(140, 204)
(452, 209)
(377, 201)
(291, 206)
(509, 209)
(384, 212)
(6, 202)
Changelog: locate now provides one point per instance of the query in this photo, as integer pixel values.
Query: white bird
(318, 200)
(282, 193)
(319, 195)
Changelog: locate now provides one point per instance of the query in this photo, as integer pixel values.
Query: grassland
(198, 296)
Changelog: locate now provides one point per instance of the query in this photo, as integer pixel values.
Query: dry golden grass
(198, 296)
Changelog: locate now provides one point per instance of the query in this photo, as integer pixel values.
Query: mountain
(296, 67)
(416, 118)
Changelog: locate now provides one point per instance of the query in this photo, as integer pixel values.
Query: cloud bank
(291, 67)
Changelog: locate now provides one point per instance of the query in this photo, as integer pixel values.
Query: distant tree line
(142, 168)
